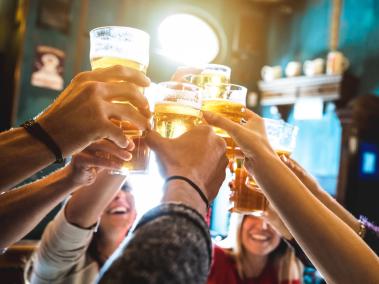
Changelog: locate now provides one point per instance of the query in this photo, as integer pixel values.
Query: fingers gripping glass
(129, 47)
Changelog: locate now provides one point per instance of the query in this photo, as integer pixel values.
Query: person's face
(257, 236)
(119, 215)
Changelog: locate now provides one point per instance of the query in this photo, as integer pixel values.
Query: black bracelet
(35, 130)
(194, 186)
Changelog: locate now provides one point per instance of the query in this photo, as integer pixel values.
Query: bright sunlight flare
(188, 39)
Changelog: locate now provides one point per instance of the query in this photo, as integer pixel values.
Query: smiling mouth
(259, 237)
(119, 210)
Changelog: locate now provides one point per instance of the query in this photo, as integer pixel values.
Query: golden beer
(233, 151)
(285, 153)
(107, 61)
(129, 47)
(228, 109)
(140, 154)
(103, 62)
(214, 78)
(217, 80)
(246, 199)
(250, 180)
(172, 119)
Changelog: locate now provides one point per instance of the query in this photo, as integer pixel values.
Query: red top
(224, 270)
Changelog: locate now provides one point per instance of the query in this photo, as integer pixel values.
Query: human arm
(171, 243)
(309, 221)
(61, 252)
(313, 186)
(64, 244)
(21, 209)
(370, 233)
(87, 204)
(79, 116)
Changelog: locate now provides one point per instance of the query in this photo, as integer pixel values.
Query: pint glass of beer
(178, 108)
(214, 74)
(229, 101)
(282, 138)
(211, 74)
(115, 45)
(273, 128)
(245, 198)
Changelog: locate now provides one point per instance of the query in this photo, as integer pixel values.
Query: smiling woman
(84, 234)
(258, 237)
(188, 39)
(255, 254)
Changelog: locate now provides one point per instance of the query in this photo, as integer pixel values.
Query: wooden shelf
(288, 90)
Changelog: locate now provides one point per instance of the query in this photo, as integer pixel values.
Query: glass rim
(203, 66)
(238, 87)
(221, 66)
(273, 120)
(121, 27)
(187, 78)
(190, 86)
(293, 126)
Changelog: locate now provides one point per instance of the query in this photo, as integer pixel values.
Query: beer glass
(287, 139)
(282, 138)
(229, 101)
(177, 108)
(245, 198)
(273, 128)
(214, 74)
(115, 45)
(210, 74)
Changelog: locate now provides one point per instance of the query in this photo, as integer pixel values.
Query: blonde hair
(283, 257)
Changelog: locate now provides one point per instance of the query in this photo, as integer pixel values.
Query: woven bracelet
(35, 130)
(194, 186)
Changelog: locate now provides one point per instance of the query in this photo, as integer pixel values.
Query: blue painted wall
(305, 35)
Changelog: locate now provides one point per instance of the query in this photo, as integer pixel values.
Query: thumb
(154, 140)
(219, 121)
(116, 135)
(234, 129)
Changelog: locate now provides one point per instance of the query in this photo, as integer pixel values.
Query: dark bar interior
(313, 64)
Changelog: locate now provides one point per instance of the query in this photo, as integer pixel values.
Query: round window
(188, 39)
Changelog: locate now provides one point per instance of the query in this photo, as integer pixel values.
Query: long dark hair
(92, 248)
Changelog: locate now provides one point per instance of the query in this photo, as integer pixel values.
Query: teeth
(259, 237)
(118, 210)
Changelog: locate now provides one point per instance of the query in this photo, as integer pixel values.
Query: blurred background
(243, 34)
